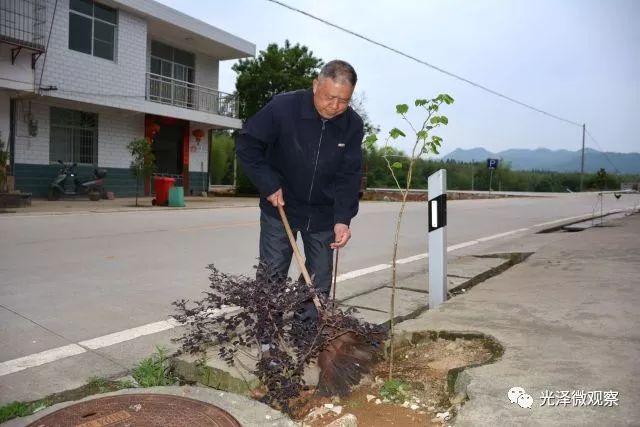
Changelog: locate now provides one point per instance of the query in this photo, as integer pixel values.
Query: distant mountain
(554, 160)
(469, 155)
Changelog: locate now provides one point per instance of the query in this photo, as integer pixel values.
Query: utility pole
(582, 162)
(473, 164)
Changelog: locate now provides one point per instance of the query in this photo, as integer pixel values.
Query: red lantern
(152, 129)
(198, 133)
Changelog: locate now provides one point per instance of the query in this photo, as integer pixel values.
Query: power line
(46, 51)
(413, 58)
(603, 152)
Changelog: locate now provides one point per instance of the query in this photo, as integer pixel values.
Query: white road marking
(497, 236)
(362, 272)
(462, 245)
(37, 359)
(412, 258)
(129, 334)
(58, 353)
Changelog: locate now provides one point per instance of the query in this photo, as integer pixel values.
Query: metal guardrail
(617, 194)
(23, 23)
(179, 93)
(397, 190)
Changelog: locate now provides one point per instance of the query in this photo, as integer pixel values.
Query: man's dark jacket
(316, 162)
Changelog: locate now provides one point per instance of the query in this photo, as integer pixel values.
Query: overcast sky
(578, 59)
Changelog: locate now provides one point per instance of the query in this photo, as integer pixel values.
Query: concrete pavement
(561, 326)
(568, 318)
(126, 204)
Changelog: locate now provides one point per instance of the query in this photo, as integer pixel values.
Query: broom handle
(335, 276)
(297, 253)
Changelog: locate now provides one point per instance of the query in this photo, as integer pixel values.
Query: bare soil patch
(426, 370)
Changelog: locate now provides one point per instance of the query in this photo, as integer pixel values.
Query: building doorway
(168, 150)
(170, 146)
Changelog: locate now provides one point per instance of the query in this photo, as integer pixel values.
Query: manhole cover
(139, 410)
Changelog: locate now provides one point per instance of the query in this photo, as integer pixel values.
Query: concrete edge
(189, 369)
(511, 259)
(586, 217)
(196, 374)
(120, 210)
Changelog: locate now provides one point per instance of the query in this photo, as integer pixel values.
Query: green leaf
(421, 102)
(435, 120)
(444, 120)
(436, 140)
(402, 108)
(397, 165)
(370, 141)
(422, 135)
(388, 151)
(447, 99)
(395, 133)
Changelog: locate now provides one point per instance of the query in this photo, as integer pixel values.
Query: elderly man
(303, 151)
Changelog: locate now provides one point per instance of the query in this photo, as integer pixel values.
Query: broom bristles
(343, 362)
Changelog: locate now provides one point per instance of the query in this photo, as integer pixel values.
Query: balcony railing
(23, 23)
(179, 93)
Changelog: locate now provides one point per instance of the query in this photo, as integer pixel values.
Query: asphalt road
(74, 277)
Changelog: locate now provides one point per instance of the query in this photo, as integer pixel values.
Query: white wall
(115, 129)
(89, 78)
(18, 75)
(28, 149)
(207, 71)
(201, 150)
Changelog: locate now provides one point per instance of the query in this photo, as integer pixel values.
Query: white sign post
(437, 238)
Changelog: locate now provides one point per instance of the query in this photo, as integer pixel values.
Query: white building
(80, 79)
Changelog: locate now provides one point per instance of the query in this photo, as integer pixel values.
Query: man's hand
(343, 234)
(276, 198)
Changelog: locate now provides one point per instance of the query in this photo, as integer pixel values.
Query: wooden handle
(296, 250)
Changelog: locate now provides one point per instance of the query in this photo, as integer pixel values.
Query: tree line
(476, 176)
(280, 69)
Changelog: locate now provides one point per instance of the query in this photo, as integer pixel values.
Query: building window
(172, 75)
(73, 137)
(92, 28)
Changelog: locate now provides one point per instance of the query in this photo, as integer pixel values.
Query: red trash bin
(162, 185)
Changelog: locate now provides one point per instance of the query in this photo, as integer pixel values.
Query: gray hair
(339, 71)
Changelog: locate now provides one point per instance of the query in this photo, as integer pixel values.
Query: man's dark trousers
(276, 251)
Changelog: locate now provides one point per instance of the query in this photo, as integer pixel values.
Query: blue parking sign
(492, 163)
